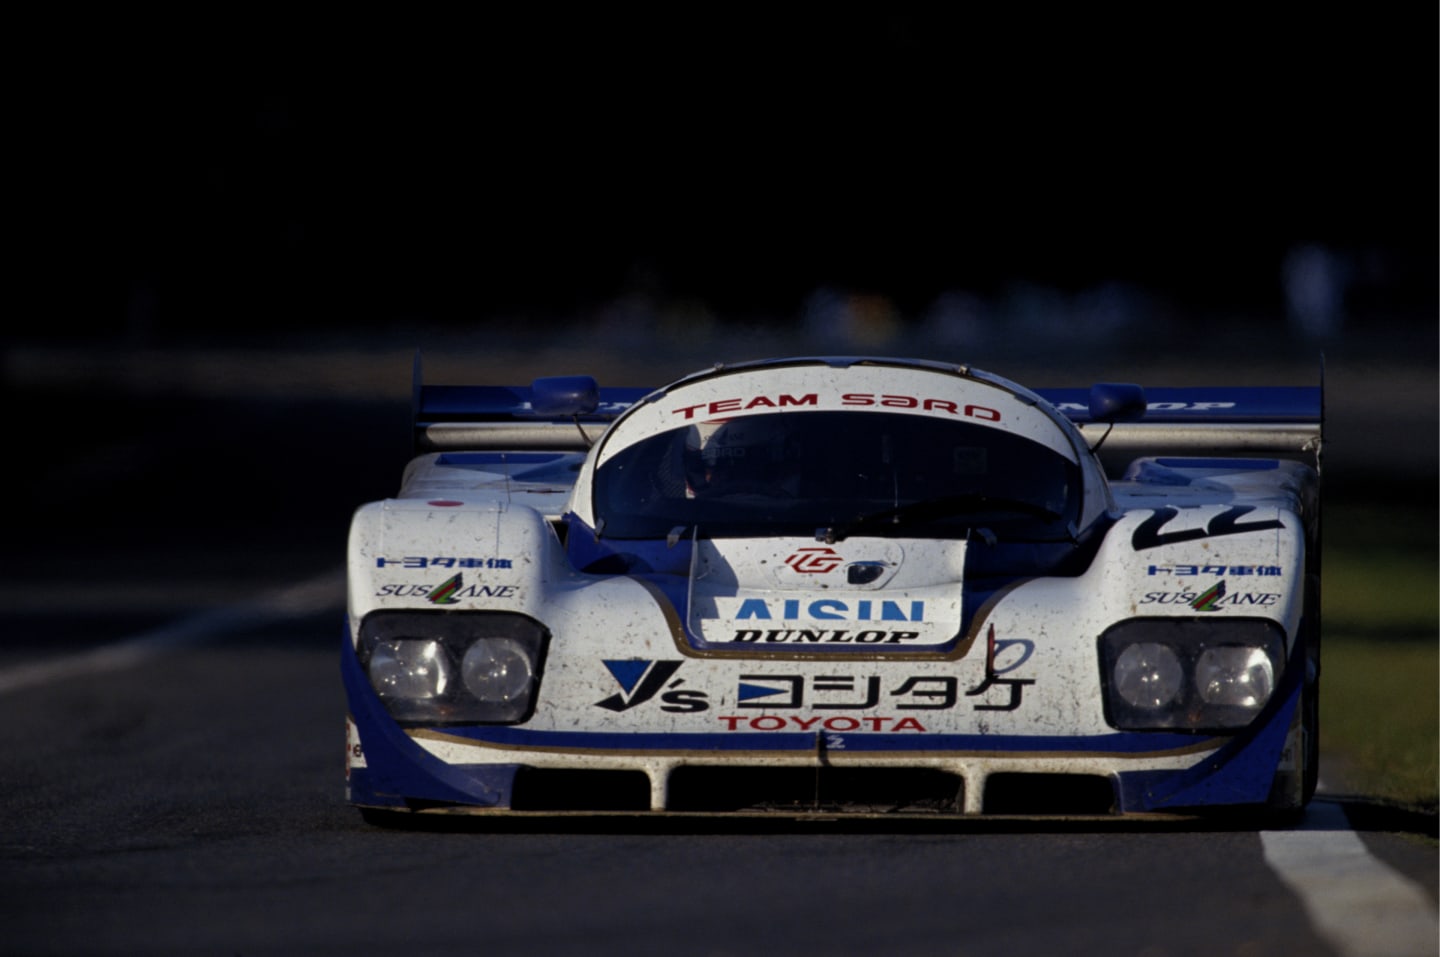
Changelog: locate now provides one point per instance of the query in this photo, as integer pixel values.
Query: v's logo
(640, 680)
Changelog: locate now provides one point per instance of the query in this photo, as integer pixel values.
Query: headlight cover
(1189, 674)
(437, 668)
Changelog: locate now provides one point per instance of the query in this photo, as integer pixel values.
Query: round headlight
(1148, 675)
(1235, 675)
(409, 668)
(496, 669)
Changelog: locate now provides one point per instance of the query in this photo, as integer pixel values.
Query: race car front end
(829, 586)
(539, 688)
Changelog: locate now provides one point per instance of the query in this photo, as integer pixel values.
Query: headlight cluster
(438, 668)
(1191, 674)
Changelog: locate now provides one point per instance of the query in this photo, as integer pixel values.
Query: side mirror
(564, 395)
(1116, 402)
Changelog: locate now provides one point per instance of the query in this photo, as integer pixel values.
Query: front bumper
(511, 770)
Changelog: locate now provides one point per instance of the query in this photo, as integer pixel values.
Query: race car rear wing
(569, 413)
(536, 417)
(1256, 421)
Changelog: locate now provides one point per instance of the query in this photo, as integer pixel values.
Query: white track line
(316, 595)
(1360, 905)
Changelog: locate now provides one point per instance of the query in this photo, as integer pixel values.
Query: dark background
(251, 172)
(215, 212)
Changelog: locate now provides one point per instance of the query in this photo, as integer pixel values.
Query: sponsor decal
(827, 598)
(826, 635)
(449, 592)
(830, 609)
(864, 610)
(640, 680)
(1239, 571)
(833, 723)
(1155, 406)
(1214, 598)
(724, 407)
(994, 649)
(773, 692)
(845, 692)
(1149, 535)
(981, 412)
(443, 561)
(1208, 598)
(788, 691)
(445, 594)
(815, 561)
(731, 406)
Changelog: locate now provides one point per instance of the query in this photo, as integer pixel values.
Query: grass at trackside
(1388, 595)
(1379, 713)
(1382, 572)
(1380, 685)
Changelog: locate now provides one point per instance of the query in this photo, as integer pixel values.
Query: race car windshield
(861, 473)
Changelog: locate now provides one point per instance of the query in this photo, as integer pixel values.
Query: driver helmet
(757, 454)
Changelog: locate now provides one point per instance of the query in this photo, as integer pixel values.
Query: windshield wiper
(933, 508)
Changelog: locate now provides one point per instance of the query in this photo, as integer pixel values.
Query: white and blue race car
(830, 585)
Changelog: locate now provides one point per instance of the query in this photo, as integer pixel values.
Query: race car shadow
(1364, 813)
(1329, 812)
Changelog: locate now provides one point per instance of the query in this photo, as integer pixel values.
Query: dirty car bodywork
(828, 585)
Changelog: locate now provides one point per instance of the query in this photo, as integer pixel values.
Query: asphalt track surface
(172, 781)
